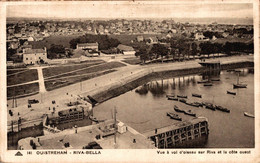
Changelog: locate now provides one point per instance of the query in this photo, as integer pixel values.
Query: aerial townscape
(129, 83)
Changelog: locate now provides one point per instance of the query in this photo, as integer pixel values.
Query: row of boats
(176, 116)
(182, 98)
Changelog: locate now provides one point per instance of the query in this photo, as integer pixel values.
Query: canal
(145, 109)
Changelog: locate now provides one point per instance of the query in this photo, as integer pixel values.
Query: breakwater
(129, 84)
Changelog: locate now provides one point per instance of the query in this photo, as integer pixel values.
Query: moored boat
(173, 98)
(232, 93)
(249, 115)
(182, 96)
(192, 104)
(222, 109)
(208, 84)
(199, 103)
(183, 100)
(238, 85)
(202, 81)
(189, 112)
(215, 79)
(174, 116)
(176, 108)
(196, 95)
(209, 106)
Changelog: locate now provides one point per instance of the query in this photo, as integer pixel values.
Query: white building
(34, 56)
(88, 46)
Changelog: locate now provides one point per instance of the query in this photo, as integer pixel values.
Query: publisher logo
(18, 154)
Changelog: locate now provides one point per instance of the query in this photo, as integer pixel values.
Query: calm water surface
(147, 111)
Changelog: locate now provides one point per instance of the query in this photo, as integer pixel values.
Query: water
(147, 111)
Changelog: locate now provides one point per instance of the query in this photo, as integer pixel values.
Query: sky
(130, 10)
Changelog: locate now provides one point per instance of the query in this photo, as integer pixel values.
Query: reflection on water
(145, 108)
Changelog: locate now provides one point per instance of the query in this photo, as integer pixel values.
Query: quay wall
(147, 75)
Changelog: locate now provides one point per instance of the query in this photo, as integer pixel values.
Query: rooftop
(87, 44)
(125, 48)
(32, 51)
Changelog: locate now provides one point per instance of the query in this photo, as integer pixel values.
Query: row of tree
(181, 49)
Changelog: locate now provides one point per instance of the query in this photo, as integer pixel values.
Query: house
(126, 50)
(88, 46)
(152, 40)
(34, 56)
(199, 36)
(31, 38)
(140, 38)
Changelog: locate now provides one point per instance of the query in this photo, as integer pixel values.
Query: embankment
(148, 75)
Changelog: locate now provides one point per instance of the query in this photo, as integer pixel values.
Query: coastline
(121, 88)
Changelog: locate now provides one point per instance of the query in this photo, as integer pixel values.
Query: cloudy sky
(130, 10)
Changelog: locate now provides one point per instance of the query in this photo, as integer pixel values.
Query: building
(88, 46)
(34, 56)
(199, 36)
(140, 38)
(127, 50)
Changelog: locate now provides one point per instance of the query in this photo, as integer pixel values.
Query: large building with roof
(34, 56)
(88, 46)
(126, 50)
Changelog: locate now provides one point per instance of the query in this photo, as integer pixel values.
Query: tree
(159, 50)
(55, 50)
(194, 49)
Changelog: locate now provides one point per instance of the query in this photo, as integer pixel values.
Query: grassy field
(132, 61)
(47, 72)
(97, 68)
(25, 76)
(57, 40)
(58, 83)
(10, 71)
(23, 90)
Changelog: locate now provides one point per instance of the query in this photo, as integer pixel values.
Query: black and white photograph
(165, 76)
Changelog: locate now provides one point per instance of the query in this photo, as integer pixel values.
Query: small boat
(183, 100)
(196, 95)
(231, 70)
(189, 112)
(176, 108)
(249, 115)
(92, 118)
(238, 71)
(199, 103)
(222, 109)
(210, 106)
(208, 84)
(182, 96)
(174, 116)
(202, 81)
(192, 104)
(215, 79)
(232, 93)
(173, 98)
(238, 85)
(170, 95)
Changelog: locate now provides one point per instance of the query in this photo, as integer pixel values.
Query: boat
(215, 79)
(173, 98)
(196, 95)
(230, 70)
(249, 115)
(202, 81)
(199, 103)
(176, 108)
(192, 104)
(182, 96)
(209, 106)
(170, 95)
(174, 116)
(238, 85)
(208, 84)
(189, 112)
(183, 100)
(92, 118)
(232, 93)
(222, 109)
(238, 71)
